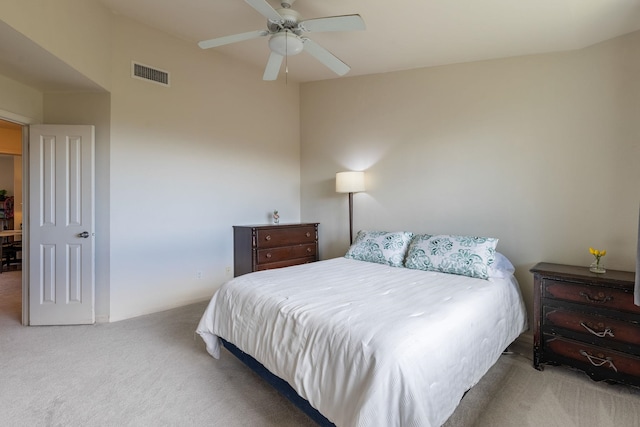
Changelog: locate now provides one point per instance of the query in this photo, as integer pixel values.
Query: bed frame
(279, 384)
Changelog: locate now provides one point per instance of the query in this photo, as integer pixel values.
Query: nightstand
(587, 321)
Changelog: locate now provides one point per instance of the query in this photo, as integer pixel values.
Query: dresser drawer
(597, 361)
(286, 252)
(274, 237)
(595, 296)
(285, 263)
(626, 335)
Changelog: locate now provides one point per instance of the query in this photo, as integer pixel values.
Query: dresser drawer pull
(268, 254)
(268, 237)
(308, 234)
(308, 250)
(602, 334)
(598, 361)
(600, 298)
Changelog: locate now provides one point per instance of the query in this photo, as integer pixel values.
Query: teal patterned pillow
(417, 253)
(464, 255)
(381, 247)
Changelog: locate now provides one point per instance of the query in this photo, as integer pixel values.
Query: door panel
(61, 267)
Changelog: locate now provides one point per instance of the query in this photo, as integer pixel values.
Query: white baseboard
(102, 319)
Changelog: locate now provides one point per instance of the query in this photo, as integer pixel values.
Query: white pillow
(501, 267)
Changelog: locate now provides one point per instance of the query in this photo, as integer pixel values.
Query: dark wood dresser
(587, 321)
(262, 247)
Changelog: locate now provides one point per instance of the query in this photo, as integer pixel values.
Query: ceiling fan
(286, 29)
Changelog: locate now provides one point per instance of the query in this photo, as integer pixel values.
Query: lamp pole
(350, 218)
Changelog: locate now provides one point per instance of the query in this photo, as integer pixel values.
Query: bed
(367, 343)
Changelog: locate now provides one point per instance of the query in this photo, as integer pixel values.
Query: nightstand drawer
(602, 329)
(596, 361)
(286, 252)
(595, 296)
(275, 237)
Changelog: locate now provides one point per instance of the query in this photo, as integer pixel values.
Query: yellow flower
(597, 253)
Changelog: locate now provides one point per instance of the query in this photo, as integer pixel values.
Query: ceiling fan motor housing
(291, 19)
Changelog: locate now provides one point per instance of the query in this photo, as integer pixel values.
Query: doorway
(11, 214)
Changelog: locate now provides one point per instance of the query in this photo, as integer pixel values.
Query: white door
(61, 225)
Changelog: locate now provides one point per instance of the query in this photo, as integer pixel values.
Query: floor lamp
(350, 182)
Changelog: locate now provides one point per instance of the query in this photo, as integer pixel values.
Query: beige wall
(218, 147)
(20, 102)
(540, 151)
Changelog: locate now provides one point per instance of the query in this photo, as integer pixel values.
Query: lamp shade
(349, 182)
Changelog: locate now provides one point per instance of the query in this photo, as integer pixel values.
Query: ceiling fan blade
(333, 23)
(327, 58)
(220, 41)
(273, 66)
(265, 10)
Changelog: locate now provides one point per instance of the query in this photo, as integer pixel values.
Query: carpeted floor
(514, 394)
(10, 297)
(153, 370)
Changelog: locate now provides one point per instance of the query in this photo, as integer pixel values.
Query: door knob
(84, 234)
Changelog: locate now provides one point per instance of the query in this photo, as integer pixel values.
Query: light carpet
(154, 371)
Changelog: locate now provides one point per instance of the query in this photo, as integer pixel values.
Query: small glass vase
(597, 267)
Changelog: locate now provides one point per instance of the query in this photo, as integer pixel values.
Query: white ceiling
(400, 34)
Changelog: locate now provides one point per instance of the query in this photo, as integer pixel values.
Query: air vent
(144, 72)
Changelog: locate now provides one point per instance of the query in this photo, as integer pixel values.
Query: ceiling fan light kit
(286, 44)
(285, 28)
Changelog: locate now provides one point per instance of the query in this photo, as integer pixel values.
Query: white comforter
(367, 344)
